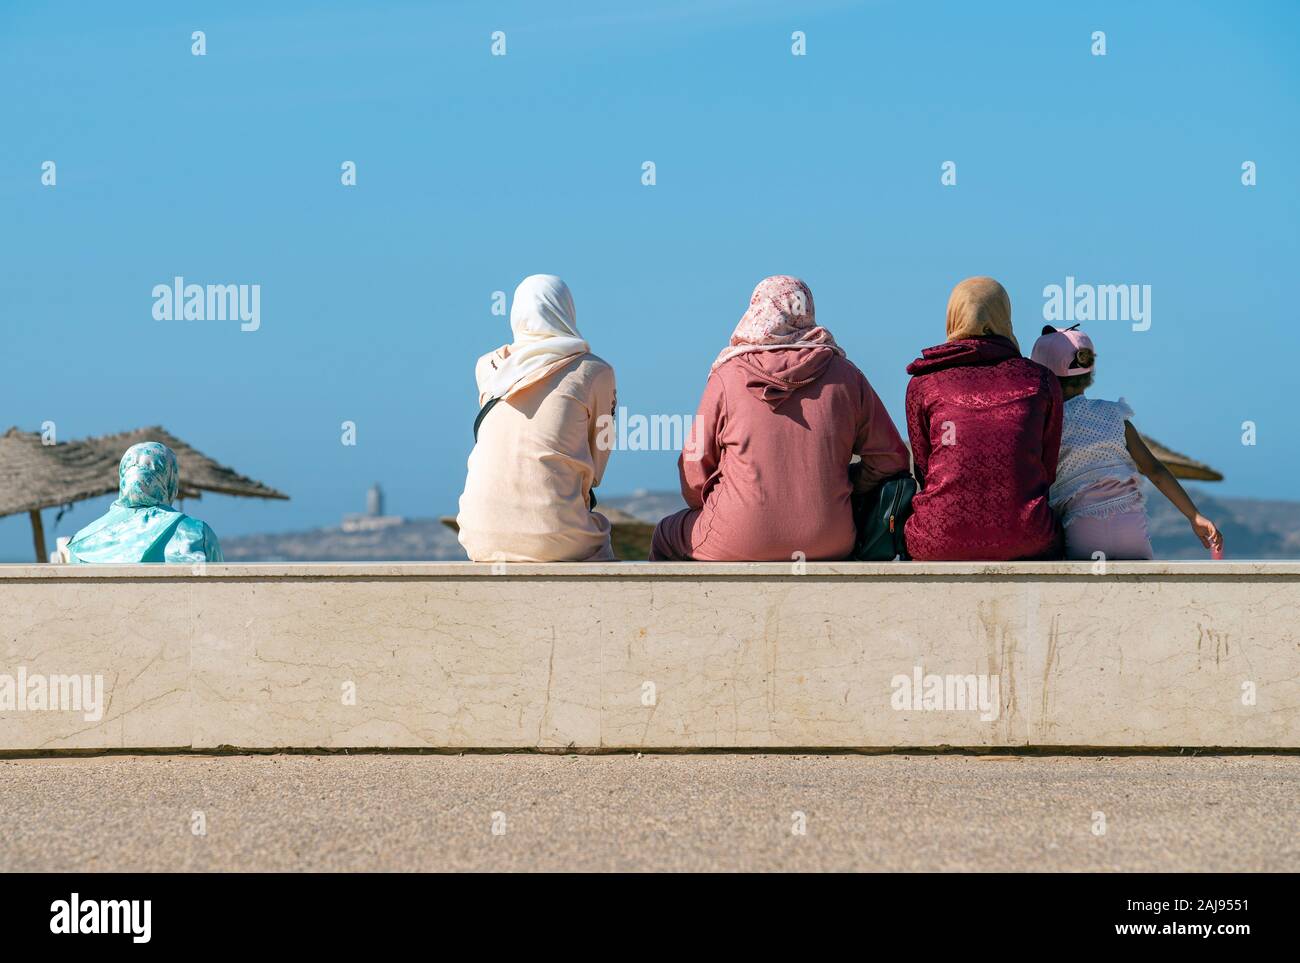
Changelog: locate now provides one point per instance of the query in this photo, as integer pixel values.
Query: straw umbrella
(1179, 465)
(34, 475)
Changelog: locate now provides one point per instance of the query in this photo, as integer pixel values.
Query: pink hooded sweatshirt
(766, 468)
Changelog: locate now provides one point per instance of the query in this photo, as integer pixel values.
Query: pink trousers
(1117, 537)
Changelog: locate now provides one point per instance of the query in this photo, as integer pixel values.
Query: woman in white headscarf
(537, 451)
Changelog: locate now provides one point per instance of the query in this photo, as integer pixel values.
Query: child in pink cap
(1097, 492)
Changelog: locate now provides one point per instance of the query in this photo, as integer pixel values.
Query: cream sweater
(533, 467)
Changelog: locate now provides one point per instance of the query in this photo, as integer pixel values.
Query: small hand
(1210, 536)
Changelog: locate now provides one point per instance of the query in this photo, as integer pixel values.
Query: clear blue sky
(474, 171)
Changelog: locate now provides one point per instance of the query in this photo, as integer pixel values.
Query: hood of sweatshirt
(963, 353)
(773, 376)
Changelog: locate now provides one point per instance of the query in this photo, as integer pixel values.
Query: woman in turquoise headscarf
(142, 526)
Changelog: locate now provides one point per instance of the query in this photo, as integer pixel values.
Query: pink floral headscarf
(780, 315)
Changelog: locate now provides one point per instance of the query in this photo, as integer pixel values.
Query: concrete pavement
(654, 812)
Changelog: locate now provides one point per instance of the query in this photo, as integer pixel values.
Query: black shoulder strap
(482, 413)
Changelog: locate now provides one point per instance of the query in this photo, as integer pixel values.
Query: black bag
(879, 515)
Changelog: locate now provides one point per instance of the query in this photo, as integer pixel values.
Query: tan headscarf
(978, 307)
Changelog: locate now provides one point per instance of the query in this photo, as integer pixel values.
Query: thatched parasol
(34, 475)
(1180, 466)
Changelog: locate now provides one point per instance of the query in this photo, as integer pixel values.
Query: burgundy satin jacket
(985, 428)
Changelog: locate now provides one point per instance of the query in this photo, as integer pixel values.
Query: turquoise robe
(142, 526)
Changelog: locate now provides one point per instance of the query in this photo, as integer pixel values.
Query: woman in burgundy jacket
(985, 427)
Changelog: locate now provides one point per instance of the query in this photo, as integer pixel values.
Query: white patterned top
(1095, 475)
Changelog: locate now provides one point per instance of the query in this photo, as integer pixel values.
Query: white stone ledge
(1263, 568)
(456, 656)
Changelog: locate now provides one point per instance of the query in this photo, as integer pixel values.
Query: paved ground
(655, 812)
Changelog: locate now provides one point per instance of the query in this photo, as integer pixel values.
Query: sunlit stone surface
(627, 656)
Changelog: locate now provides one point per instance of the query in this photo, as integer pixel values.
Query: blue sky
(475, 170)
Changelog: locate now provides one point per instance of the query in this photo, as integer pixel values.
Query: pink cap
(1058, 351)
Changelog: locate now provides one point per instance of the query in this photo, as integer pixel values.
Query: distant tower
(374, 518)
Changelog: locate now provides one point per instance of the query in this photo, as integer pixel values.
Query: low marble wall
(641, 655)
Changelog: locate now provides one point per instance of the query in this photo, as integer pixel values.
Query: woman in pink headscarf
(765, 470)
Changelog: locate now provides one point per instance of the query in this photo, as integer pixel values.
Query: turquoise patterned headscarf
(147, 476)
(142, 525)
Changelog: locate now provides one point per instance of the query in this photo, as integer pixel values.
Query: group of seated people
(1011, 459)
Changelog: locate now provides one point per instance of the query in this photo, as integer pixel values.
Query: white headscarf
(545, 326)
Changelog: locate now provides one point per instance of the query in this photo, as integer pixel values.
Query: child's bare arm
(1151, 466)
(1160, 476)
